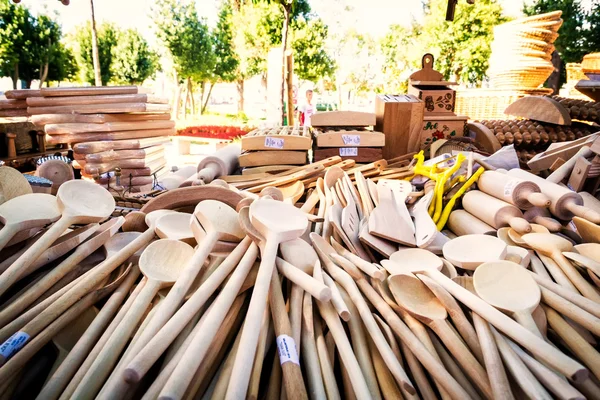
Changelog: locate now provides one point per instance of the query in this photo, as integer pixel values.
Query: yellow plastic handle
(448, 209)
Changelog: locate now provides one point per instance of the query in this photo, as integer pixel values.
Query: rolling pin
(223, 162)
(541, 216)
(518, 192)
(495, 212)
(564, 203)
(462, 223)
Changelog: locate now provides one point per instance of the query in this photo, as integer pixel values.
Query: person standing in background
(307, 109)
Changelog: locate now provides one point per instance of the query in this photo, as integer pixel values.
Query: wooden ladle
(28, 211)
(470, 251)
(416, 298)
(508, 287)
(161, 263)
(80, 202)
(176, 226)
(277, 222)
(552, 246)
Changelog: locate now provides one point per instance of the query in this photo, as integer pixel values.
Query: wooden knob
(12, 150)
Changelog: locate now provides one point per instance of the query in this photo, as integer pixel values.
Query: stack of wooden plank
(276, 146)
(13, 107)
(347, 134)
(108, 128)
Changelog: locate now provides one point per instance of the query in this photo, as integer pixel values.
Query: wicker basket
(550, 16)
(483, 104)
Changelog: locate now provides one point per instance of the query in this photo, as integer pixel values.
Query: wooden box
(400, 118)
(438, 98)
(358, 154)
(441, 127)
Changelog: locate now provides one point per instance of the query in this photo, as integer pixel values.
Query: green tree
(64, 67)
(15, 32)
(133, 60)
(43, 49)
(593, 34)
(400, 57)
(311, 60)
(107, 40)
(188, 41)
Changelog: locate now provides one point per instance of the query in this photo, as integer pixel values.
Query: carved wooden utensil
(470, 251)
(541, 216)
(494, 212)
(80, 202)
(387, 222)
(518, 192)
(509, 288)
(589, 231)
(462, 223)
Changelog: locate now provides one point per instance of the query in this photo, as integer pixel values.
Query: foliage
(593, 35)
(186, 37)
(14, 34)
(133, 60)
(311, 61)
(226, 60)
(399, 58)
(64, 67)
(82, 43)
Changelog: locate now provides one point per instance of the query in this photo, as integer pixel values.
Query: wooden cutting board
(44, 119)
(72, 129)
(114, 155)
(275, 157)
(279, 138)
(22, 94)
(102, 99)
(101, 108)
(97, 147)
(335, 137)
(90, 91)
(151, 162)
(90, 137)
(136, 180)
(359, 154)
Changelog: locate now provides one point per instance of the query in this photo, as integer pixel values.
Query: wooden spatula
(508, 287)
(385, 221)
(425, 229)
(28, 211)
(80, 202)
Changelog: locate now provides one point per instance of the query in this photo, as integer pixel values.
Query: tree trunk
(177, 99)
(290, 88)
(205, 104)
(263, 81)
(96, 56)
(240, 90)
(191, 91)
(187, 99)
(284, 37)
(15, 77)
(202, 90)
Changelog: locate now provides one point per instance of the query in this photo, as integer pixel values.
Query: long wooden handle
(546, 352)
(568, 309)
(550, 223)
(526, 320)
(539, 200)
(14, 272)
(493, 362)
(557, 273)
(336, 299)
(316, 389)
(519, 224)
(586, 289)
(305, 281)
(331, 387)
(266, 335)
(583, 212)
(7, 233)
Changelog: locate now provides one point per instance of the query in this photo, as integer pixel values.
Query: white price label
(274, 143)
(348, 151)
(13, 344)
(287, 349)
(352, 140)
(510, 187)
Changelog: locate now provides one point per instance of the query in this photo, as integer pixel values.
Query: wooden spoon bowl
(219, 217)
(517, 238)
(164, 259)
(85, 201)
(470, 251)
(415, 297)
(175, 226)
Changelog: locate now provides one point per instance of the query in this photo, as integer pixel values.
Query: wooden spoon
(425, 229)
(422, 261)
(508, 287)
(161, 262)
(350, 223)
(12, 184)
(553, 246)
(176, 226)
(470, 251)
(590, 250)
(416, 298)
(292, 191)
(80, 202)
(517, 238)
(582, 261)
(277, 222)
(589, 231)
(26, 212)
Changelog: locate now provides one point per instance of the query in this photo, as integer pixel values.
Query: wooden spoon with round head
(583, 261)
(590, 250)
(416, 298)
(589, 231)
(12, 184)
(161, 263)
(502, 234)
(422, 261)
(553, 246)
(517, 238)
(277, 222)
(509, 288)
(176, 226)
(26, 212)
(470, 251)
(80, 202)
(292, 191)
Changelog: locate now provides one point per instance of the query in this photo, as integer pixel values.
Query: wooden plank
(269, 169)
(349, 138)
(113, 155)
(343, 118)
(76, 128)
(20, 112)
(132, 144)
(579, 174)
(91, 137)
(362, 154)
(12, 104)
(103, 99)
(90, 91)
(22, 94)
(276, 142)
(565, 151)
(101, 108)
(276, 157)
(44, 119)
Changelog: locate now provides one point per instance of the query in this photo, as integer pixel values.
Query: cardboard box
(400, 118)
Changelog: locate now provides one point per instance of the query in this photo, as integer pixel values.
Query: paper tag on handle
(13, 344)
(274, 143)
(287, 350)
(348, 151)
(510, 187)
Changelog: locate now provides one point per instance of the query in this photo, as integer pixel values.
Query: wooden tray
(44, 119)
(113, 155)
(91, 91)
(102, 99)
(132, 144)
(340, 137)
(71, 129)
(91, 137)
(276, 157)
(108, 108)
(358, 154)
(279, 138)
(343, 118)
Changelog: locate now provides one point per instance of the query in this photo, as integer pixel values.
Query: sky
(372, 16)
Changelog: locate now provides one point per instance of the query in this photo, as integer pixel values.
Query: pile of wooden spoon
(268, 289)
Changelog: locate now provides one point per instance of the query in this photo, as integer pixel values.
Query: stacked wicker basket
(522, 51)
